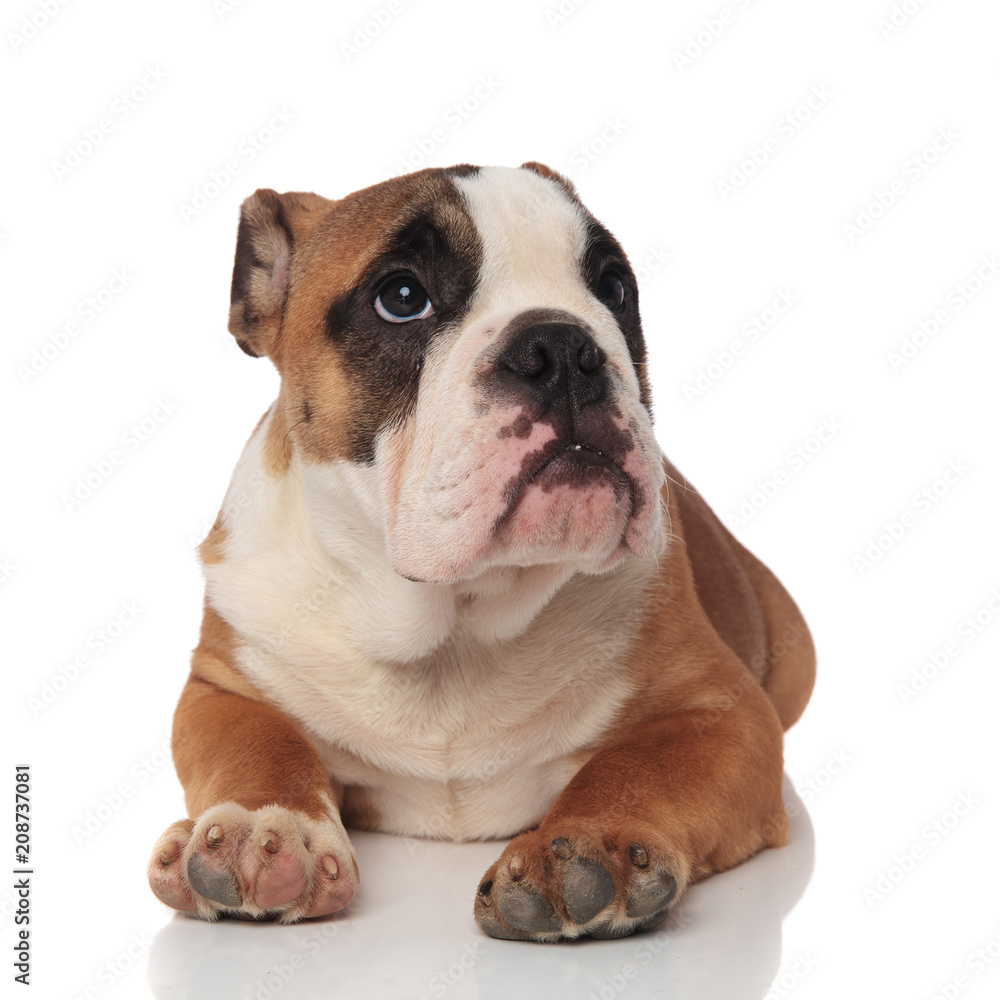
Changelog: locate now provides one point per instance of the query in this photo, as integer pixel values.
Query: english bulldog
(456, 591)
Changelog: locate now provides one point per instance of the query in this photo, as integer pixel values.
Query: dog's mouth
(576, 463)
(586, 454)
(568, 476)
(581, 466)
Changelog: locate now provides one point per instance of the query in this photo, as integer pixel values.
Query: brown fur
(231, 748)
(330, 244)
(214, 656)
(357, 810)
(552, 175)
(277, 448)
(747, 606)
(211, 549)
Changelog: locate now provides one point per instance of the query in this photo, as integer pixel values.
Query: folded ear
(550, 174)
(270, 223)
(264, 246)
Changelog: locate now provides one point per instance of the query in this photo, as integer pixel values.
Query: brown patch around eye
(359, 372)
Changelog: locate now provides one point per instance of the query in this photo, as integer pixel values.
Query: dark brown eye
(610, 290)
(403, 298)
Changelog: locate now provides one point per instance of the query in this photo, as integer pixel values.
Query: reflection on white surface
(410, 934)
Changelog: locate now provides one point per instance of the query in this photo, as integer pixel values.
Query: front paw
(270, 862)
(580, 877)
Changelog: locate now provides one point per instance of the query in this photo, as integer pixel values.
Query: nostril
(528, 358)
(590, 358)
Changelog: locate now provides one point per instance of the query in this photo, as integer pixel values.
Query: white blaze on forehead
(533, 237)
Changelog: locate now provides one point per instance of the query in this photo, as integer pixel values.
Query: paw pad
(220, 886)
(528, 910)
(586, 889)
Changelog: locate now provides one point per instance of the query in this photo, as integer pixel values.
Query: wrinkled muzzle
(535, 450)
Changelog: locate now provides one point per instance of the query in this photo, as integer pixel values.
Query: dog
(455, 590)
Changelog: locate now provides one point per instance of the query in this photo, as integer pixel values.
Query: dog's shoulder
(713, 598)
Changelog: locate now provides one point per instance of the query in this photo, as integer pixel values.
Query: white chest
(472, 741)
(468, 736)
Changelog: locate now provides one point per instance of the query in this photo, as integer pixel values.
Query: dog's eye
(403, 298)
(610, 290)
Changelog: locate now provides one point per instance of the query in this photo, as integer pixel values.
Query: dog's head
(461, 349)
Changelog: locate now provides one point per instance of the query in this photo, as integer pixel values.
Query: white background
(871, 898)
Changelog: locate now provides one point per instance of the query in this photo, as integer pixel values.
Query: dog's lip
(585, 453)
(578, 453)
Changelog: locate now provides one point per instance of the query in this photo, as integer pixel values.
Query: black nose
(555, 363)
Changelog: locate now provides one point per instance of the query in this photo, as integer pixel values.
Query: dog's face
(462, 349)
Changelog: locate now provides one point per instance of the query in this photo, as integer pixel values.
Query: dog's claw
(169, 853)
(561, 849)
